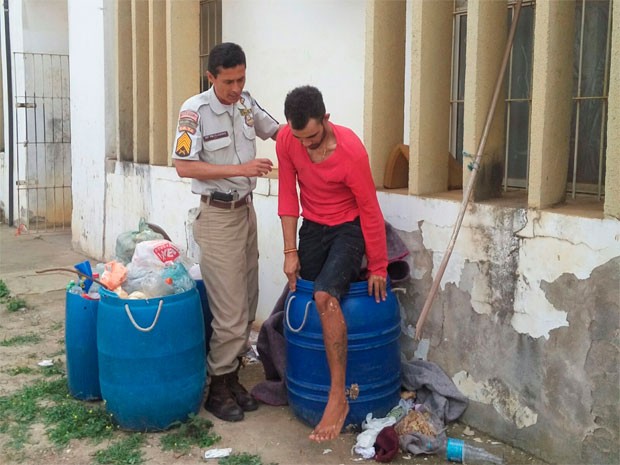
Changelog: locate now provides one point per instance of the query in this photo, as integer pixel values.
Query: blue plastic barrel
(152, 359)
(81, 347)
(373, 358)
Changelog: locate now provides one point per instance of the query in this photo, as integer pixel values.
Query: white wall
(45, 26)
(289, 43)
(88, 122)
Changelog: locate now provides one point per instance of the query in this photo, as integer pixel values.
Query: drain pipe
(9, 99)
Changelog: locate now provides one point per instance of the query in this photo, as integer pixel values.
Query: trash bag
(126, 242)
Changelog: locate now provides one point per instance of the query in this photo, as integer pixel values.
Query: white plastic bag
(155, 254)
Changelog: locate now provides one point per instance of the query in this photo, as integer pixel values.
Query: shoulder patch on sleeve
(184, 145)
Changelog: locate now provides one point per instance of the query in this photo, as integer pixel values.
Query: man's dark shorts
(331, 256)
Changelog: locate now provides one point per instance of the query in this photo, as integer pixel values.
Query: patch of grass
(4, 291)
(242, 459)
(195, 432)
(21, 340)
(126, 451)
(56, 369)
(12, 303)
(18, 436)
(56, 326)
(72, 419)
(19, 371)
(15, 304)
(59, 352)
(19, 410)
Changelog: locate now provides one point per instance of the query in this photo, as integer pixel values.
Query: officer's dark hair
(302, 104)
(226, 55)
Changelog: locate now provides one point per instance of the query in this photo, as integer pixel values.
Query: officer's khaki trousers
(229, 266)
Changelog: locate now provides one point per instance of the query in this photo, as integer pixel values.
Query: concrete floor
(271, 432)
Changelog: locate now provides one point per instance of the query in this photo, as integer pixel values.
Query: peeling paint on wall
(552, 245)
(494, 392)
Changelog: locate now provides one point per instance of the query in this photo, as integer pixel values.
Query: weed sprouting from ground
(195, 432)
(242, 459)
(12, 303)
(15, 304)
(4, 291)
(21, 340)
(65, 418)
(71, 419)
(19, 371)
(126, 451)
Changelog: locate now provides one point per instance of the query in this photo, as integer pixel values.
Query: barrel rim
(110, 296)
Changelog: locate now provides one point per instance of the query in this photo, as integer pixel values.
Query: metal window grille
(457, 92)
(586, 170)
(519, 99)
(210, 35)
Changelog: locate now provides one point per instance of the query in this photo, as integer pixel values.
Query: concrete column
(158, 111)
(125, 81)
(431, 52)
(486, 39)
(384, 86)
(552, 87)
(140, 66)
(612, 167)
(183, 39)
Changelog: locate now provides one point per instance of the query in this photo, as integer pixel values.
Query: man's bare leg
(335, 340)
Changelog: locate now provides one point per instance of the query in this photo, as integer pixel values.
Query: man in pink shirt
(342, 221)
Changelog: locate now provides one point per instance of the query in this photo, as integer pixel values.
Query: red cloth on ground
(386, 444)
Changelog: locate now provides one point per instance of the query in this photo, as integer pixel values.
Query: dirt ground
(273, 433)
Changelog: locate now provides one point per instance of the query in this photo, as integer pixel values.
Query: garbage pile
(146, 266)
(413, 428)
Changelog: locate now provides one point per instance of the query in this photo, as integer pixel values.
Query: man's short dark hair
(302, 104)
(226, 55)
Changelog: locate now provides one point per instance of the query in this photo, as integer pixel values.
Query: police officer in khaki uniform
(215, 146)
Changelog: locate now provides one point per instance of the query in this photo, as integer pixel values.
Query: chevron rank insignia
(184, 145)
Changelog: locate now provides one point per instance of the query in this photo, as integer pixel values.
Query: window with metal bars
(210, 35)
(586, 170)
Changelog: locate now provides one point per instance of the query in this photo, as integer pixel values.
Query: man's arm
(291, 259)
(202, 170)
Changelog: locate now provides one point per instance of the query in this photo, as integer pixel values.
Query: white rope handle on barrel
(288, 322)
(136, 325)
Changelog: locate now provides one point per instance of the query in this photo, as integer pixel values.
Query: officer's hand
(377, 286)
(291, 269)
(257, 167)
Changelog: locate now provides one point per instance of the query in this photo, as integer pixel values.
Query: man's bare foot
(332, 422)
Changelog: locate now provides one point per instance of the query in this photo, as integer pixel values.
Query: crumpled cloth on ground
(368, 437)
(435, 390)
(270, 344)
(387, 445)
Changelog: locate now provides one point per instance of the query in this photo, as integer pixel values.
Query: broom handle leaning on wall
(472, 178)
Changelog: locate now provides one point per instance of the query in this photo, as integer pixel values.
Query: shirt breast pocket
(249, 132)
(217, 144)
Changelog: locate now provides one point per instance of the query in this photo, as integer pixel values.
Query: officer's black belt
(227, 205)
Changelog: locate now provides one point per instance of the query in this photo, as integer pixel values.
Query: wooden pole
(470, 185)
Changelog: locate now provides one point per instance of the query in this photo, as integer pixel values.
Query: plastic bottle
(177, 276)
(74, 288)
(93, 292)
(457, 450)
(154, 285)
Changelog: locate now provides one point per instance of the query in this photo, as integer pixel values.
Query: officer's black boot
(221, 401)
(242, 396)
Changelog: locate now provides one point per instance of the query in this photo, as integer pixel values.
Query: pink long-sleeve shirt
(334, 191)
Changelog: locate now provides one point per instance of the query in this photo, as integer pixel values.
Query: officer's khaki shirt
(221, 135)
